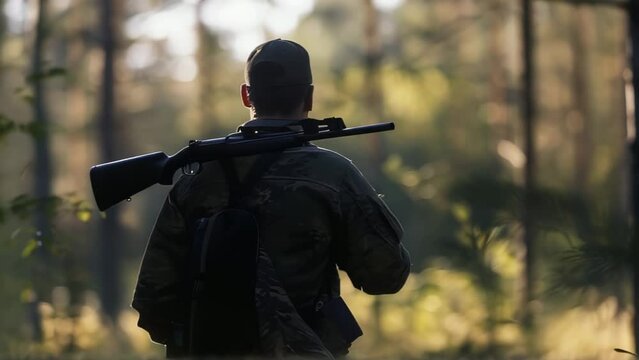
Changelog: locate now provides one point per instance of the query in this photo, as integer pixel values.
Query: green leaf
(46, 74)
(83, 215)
(36, 129)
(52, 204)
(6, 125)
(22, 205)
(82, 210)
(31, 246)
(27, 295)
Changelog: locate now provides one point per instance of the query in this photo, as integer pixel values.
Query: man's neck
(295, 116)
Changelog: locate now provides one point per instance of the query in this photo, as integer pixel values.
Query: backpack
(236, 305)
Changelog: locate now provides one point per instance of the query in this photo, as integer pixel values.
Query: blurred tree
(633, 28)
(581, 117)
(528, 117)
(373, 94)
(110, 236)
(374, 105)
(73, 48)
(498, 110)
(206, 67)
(3, 29)
(42, 166)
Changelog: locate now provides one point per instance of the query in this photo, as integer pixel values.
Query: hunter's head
(278, 81)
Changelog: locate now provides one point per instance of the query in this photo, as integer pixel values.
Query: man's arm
(161, 273)
(370, 251)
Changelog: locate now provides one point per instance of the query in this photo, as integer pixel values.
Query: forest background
(513, 258)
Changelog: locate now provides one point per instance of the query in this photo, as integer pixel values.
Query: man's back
(314, 210)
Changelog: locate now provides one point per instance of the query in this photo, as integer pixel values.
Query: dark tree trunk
(633, 28)
(110, 232)
(528, 116)
(42, 171)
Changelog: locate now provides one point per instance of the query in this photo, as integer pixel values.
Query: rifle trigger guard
(192, 168)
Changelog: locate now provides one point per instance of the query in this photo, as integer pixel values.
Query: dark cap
(278, 63)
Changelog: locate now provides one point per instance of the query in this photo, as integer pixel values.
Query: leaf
(36, 129)
(31, 246)
(27, 295)
(15, 233)
(6, 125)
(83, 215)
(460, 212)
(46, 74)
(27, 97)
(52, 204)
(22, 205)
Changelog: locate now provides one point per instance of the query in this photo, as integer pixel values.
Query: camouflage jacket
(316, 213)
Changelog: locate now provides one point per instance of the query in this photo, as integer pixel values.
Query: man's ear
(308, 102)
(244, 91)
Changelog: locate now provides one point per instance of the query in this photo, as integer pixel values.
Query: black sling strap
(238, 190)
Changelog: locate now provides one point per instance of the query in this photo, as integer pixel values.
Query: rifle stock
(118, 180)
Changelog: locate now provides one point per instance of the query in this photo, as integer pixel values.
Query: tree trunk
(497, 79)
(633, 28)
(582, 116)
(3, 31)
(373, 102)
(110, 232)
(373, 91)
(528, 117)
(42, 171)
(205, 70)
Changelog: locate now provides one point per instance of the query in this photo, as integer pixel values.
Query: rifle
(118, 180)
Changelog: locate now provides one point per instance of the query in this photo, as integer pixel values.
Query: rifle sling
(238, 190)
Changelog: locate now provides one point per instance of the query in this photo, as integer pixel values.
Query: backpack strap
(227, 241)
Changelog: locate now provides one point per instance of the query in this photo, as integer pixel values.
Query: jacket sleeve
(161, 274)
(369, 249)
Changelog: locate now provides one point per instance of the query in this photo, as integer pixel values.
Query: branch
(618, 3)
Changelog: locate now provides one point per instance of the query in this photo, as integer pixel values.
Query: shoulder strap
(239, 189)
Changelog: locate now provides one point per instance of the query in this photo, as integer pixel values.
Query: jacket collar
(272, 125)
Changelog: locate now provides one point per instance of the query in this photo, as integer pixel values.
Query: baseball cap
(278, 63)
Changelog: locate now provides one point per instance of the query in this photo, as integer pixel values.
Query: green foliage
(47, 74)
(491, 202)
(24, 205)
(35, 129)
(24, 93)
(599, 257)
(6, 126)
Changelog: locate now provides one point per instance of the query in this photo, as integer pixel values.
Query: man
(315, 213)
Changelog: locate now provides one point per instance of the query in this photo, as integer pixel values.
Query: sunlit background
(447, 72)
